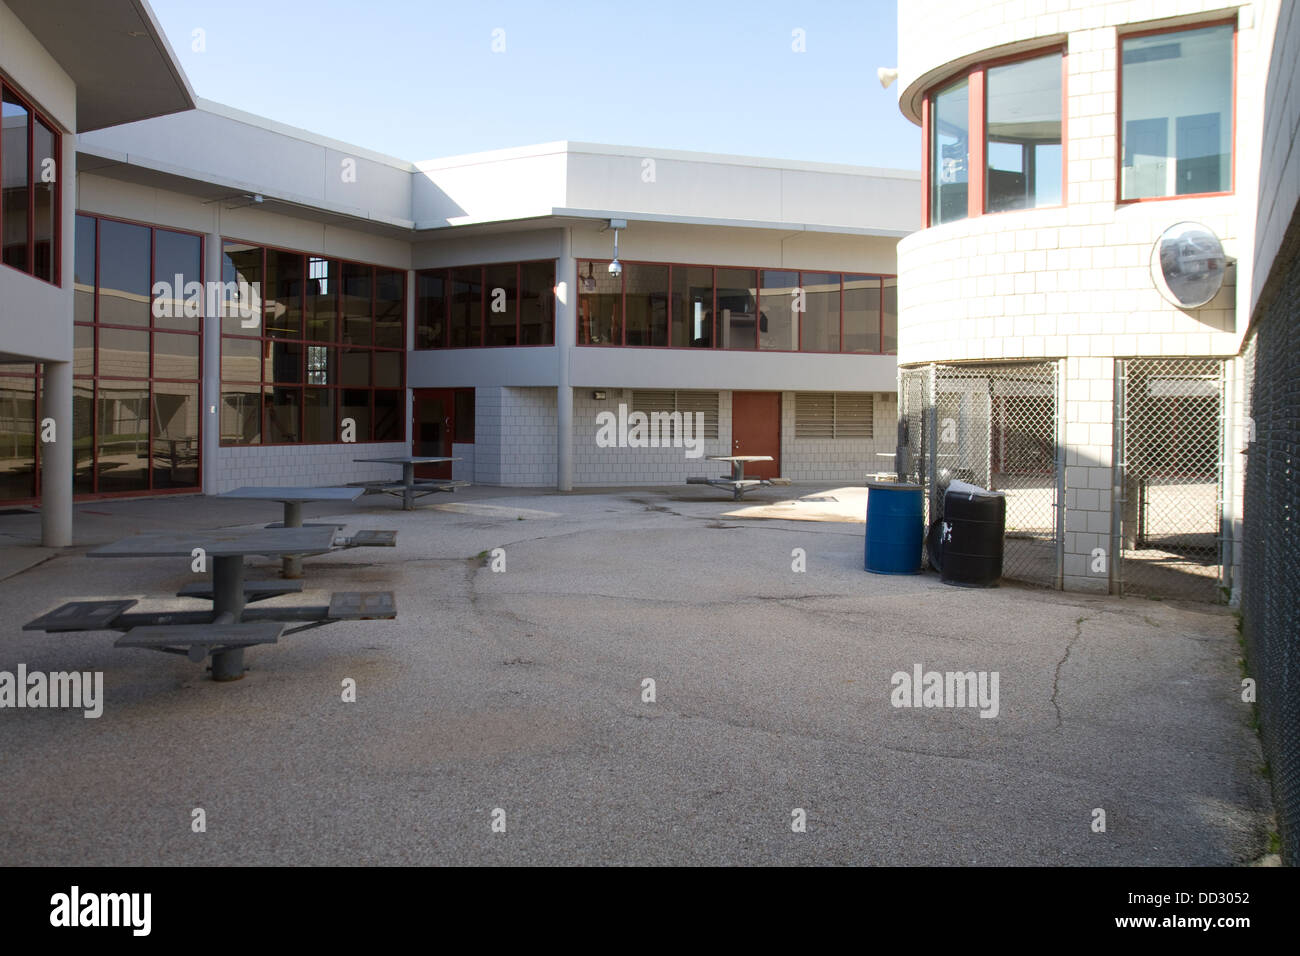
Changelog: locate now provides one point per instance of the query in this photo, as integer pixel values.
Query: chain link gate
(1167, 521)
(997, 426)
(1270, 591)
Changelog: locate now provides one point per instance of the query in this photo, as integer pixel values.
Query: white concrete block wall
(303, 464)
(594, 466)
(1089, 429)
(515, 437)
(463, 470)
(838, 459)
(1075, 279)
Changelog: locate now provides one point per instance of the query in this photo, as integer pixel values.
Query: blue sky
(419, 80)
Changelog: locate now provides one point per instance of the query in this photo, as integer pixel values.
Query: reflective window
(1023, 134)
(1176, 112)
(502, 281)
(781, 305)
(536, 303)
(646, 304)
(17, 432)
(692, 307)
(600, 305)
(29, 178)
(744, 309)
(177, 262)
(44, 222)
(737, 303)
(124, 276)
(334, 331)
(284, 294)
(821, 317)
(950, 153)
(430, 310)
(862, 313)
(15, 180)
(136, 389)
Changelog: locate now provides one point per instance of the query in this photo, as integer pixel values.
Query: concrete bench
(197, 641)
(81, 616)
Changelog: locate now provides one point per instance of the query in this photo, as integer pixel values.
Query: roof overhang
(116, 54)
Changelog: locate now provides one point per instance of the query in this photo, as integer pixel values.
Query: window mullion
(976, 148)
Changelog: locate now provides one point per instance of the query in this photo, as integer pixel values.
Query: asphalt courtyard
(503, 717)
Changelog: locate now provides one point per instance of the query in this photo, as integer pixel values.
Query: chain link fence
(1270, 591)
(1170, 422)
(997, 426)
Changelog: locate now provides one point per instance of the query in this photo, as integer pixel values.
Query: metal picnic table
(410, 487)
(292, 499)
(737, 481)
(229, 627)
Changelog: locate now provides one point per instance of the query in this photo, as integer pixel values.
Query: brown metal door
(432, 428)
(756, 430)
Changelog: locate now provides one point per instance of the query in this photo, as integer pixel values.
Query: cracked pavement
(523, 690)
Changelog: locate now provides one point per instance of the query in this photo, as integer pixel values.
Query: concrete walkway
(523, 690)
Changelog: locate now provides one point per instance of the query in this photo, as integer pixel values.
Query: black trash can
(970, 537)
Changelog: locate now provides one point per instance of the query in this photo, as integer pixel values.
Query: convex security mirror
(1188, 264)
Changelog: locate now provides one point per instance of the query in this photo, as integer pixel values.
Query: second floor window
(29, 175)
(1176, 112)
(994, 140)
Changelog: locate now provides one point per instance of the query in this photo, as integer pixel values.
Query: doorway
(434, 426)
(756, 430)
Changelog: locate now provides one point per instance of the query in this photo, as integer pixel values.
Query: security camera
(616, 268)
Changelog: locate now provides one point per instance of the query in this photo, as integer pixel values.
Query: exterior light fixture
(616, 267)
(886, 75)
(1188, 264)
(598, 395)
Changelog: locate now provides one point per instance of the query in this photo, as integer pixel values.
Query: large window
(312, 349)
(136, 349)
(18, 405)
(502, 304)
(29, 177)
(994, 139)
(1176, 96)
(780, 310)
(950, 153)
(1023, 134)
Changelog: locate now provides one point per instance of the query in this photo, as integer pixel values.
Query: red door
(432, 428)
(756, 430)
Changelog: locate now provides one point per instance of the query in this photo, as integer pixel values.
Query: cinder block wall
(838, 459)
(514, 437)
(1074, 281)
(595, 466)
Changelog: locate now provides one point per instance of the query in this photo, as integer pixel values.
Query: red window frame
(34, 114)
(1119, 108)
(445, 272)
(976, 75)
(881, 277)
(94, 378)
(266, 341)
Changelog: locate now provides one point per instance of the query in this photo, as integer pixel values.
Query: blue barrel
(895, 526)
